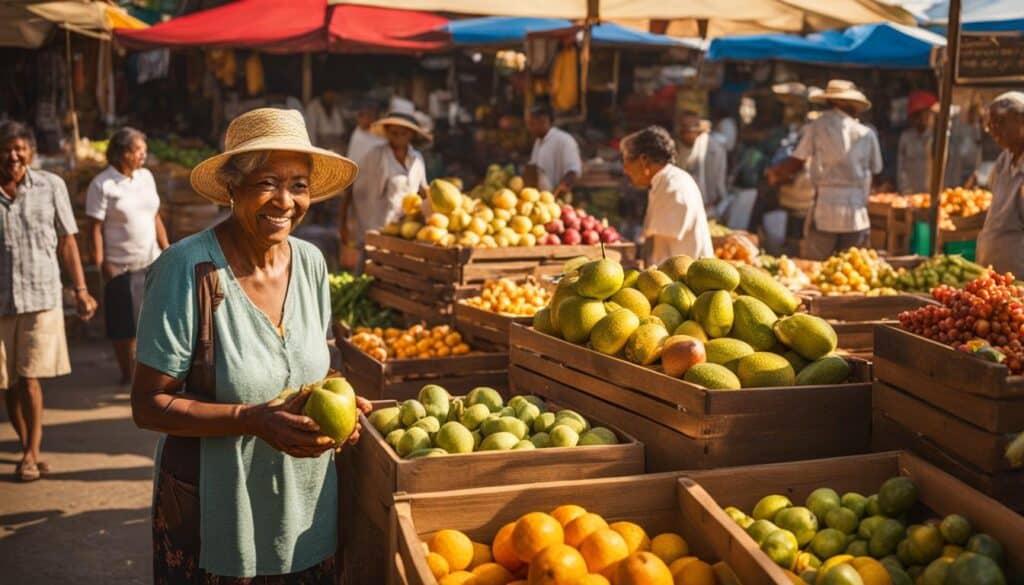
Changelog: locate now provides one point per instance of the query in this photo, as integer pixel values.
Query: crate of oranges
(395, 363)
(488, 315)
(656, 529)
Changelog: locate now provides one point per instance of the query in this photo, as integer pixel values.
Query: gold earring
(232, 202)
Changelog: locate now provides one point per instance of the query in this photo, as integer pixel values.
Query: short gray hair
(1011, 102)
(238, 167)
(653, 141)
(121, 142)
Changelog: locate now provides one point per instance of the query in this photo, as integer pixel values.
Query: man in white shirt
(703, 157)
(555, 154)
(323, 120)
(363, 139)
(675, 222)
(843, 155)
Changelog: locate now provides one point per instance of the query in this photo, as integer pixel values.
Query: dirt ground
(88, 522)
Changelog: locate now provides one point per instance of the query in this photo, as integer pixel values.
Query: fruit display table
(938, 493)
(380, 473)
(685, 426)
(657, 503)
(423, 279)
(955, 409)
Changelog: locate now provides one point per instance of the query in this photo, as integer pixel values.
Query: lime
(798, 520)
(886, 538)
(935, 573)
(956, 529)
(898, 575)
(769, 506)
(871, 506)
(760, 530)
(869, 525)
(857, 548)
(830, 564)
(843, 575)
(897, 495)
(821, 501)
(972, 569)
(891, 560)
(854, 501)
(984, 544)
(844, 520)
(952, 551)
(926, 543)
(809, 576)
(903, 553)
(828, 543)
(781, 546)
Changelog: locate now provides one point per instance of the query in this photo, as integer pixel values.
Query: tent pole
(592, 18)
(940, 149)
(71, 94)
(307, 77)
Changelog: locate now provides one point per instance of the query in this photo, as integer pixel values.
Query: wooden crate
(379, 473)
(858, 337)
(941, 493)
(685, 426)
(658, 503)
(854, 307)
(402, 379)
(418, 278)
(478, 324)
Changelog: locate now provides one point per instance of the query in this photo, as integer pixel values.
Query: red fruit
(552, 240)
(981, 327)
(589, 223)
(571, 237)
(571, 223)
(555, 226)
(681, 354)
(591, 238)
(568, 211)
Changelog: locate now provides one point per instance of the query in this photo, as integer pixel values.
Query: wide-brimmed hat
(269, 129)
(794, 91)
(843, 91)
(400, 119)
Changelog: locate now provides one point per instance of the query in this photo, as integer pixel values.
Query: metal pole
(941, 147)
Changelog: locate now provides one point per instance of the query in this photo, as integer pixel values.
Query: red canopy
(291, 27)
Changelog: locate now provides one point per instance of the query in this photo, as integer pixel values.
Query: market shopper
(555, 155)
(37, 236)
(363, 139)
(915, 148)
(231, 317)
(127, 235)
(323, 119)
(843, 155)
(1001, 241)
(703, 157)
(387, 173)
(675, 222)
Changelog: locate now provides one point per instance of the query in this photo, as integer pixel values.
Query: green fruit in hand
(454, 437)
(598, 436)
(544, 422)
(386, 420)
(821, 501)
(956, 529)
(885, 538)
(984, 544)
(856, 502)
(842, 519)
(897, 495)
(474, 416)
(333, 407)
(412, 411)
(760, 529)
(414, 439)
(768, 506)
(489, 397)
(564, 436)
(499, 442)
(781, 546)
(436, 401)
(798, 520)
(828, 543)
(975, 569)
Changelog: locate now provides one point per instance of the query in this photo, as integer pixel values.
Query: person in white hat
(1001, 241)
(387, 173)
(703, 157)
(843, 155)
(231, 317)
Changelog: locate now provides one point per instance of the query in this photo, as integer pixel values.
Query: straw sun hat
(842, 90)
(274, 129)
(400, 119)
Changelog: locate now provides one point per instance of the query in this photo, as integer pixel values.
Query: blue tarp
(870, 45)
(983, 15)
(513, 30)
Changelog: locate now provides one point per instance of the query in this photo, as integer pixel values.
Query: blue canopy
(869, 45)
(500, 30)
(982, 15)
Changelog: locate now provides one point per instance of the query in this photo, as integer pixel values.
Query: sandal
(44, 468)
(28, 472)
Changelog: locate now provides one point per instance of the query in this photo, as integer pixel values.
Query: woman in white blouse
(675, 222)
(127, 235)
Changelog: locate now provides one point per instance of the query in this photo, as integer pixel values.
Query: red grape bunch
(990, 308)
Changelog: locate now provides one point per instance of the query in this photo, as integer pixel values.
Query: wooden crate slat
(972, 444)
(864, 308)
(935, 363)
(494, 270)
(536, 253)
(858, 335)
(386, 274)
(456, 364)
(431, 270)
(412, 248)
(396, 301)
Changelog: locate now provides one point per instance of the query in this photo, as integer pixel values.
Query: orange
(481, 555)
(438, 565)
(457, 578)
(454, 546)
(591, 579)
(669, 547)
(602, 549)
(636, 538)
(696, 573)
(642, 568)
(583, 527)
(491, 574)
(557, 564)
(679, 563)
(501, 548)
(535, 532)
(567, 513)
(871, 571)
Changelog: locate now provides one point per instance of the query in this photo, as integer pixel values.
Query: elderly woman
(1001, 241)
(231, 317)
(675, 222)
(127, 235)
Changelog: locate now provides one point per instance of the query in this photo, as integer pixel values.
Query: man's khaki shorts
(33, 345)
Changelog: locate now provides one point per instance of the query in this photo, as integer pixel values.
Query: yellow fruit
(635, 537)
(438, 220)
(438, 565)
(871, 571)
(829, 564)
(669, 547)
(454, 546)
(556, 565)
(503, 551)
(642, 568)
(591, 579)
(530, 194)
(533, 533)
(582, 527)
(481, 555)
(602, 549)
(678, 564)
(457, 578)
(567, 513)
(696, 573)
(491, 574)
(504, 199)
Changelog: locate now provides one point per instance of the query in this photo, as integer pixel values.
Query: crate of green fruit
(889, 516)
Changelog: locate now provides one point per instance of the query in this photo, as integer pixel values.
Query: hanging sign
(990, 59)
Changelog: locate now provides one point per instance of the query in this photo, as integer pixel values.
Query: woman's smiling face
(273, 198)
